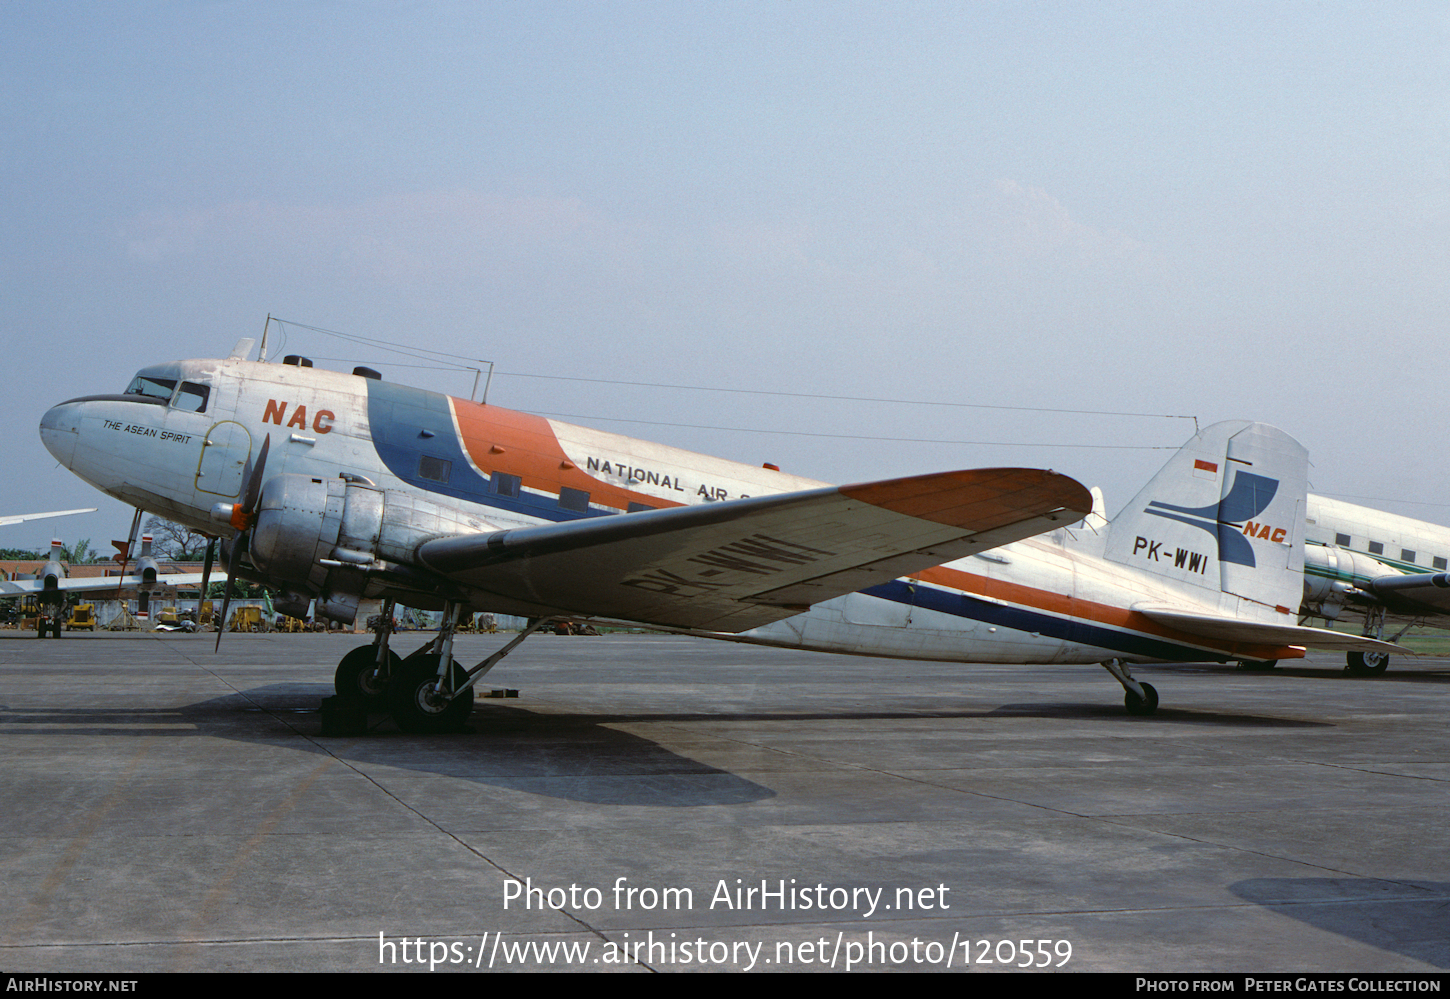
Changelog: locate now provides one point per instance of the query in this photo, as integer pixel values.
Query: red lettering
(1278, 537)
(317, 424)
(299, 418)
(1263, 531)
(1251, 528)
(274, 412)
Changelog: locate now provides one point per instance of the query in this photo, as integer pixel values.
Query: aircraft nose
(59, 428)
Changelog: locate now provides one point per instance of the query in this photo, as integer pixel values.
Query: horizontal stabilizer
(1231, 629)
(736, 565)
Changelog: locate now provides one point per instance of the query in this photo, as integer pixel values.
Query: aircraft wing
(736, 565)
(1231, 629)
(20, 518)
(1428, 592)
(91, 584)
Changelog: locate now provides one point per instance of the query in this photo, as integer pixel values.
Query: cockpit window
(152, 387)
(192, 397)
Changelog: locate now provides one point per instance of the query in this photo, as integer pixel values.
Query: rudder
(1225, 515)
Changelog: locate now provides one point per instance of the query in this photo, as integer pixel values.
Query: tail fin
(1225, 515)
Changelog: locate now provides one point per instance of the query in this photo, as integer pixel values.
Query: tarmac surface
(169, 809)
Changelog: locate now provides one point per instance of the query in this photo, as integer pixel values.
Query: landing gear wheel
(1258, 665)
(1367, 663)
(355, 681)
(417, 708)
(1139, 705)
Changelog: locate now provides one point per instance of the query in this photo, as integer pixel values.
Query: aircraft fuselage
(181, 441)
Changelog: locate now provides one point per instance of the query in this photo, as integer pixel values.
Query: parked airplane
(52, 585)
(1391, 569)
(338, 488)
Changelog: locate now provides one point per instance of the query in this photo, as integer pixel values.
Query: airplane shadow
(1403, 917)
(571, 757)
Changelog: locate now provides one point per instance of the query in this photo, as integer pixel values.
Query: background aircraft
(341, 487)
(52, 585)
(1388, 568)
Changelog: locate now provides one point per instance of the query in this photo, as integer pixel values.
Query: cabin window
(1406, 555)
(576, 500)
(192, 397)
(506, 485)
(1342, 540)
(637, 507)
(434, 469)
(1376, 548)
(151, 388)
(1438, 562)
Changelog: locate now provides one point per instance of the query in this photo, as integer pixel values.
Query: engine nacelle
(302, 520)
(1334, 576)
(50, 576)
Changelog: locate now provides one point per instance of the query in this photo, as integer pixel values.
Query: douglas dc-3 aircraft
(1390, 568)
(336, 488)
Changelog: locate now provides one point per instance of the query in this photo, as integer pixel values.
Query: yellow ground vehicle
(246, 619)
(82, 618)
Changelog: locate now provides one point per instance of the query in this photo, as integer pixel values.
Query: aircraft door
(224, 455)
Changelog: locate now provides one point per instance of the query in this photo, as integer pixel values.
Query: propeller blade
(206, 576)
(253, 492)
(251, 495)
(235, 555)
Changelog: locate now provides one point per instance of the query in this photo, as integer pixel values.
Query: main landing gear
(1138, 698)
(418, 692)
(1372, 663)
(362, 676)
(1367, 663)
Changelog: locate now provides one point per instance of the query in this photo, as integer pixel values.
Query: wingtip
(979, 498)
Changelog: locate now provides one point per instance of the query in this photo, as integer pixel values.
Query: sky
(857, 240)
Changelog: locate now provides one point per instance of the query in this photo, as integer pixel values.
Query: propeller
(244, 516)
(206, 577)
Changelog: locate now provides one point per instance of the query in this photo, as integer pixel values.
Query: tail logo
(1234, 519)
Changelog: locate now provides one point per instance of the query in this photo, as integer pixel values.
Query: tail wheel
(355, 679)
(1367, 663)
(417, 707)
(1141, 705)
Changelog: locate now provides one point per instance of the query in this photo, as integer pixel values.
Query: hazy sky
(1209, 210)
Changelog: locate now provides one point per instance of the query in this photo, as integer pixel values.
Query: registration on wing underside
(733, 566)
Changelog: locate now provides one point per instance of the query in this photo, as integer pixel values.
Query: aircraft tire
(354, 681)
(1367, 663)
(413, 705)
(1258, 665)
(1139, 706)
